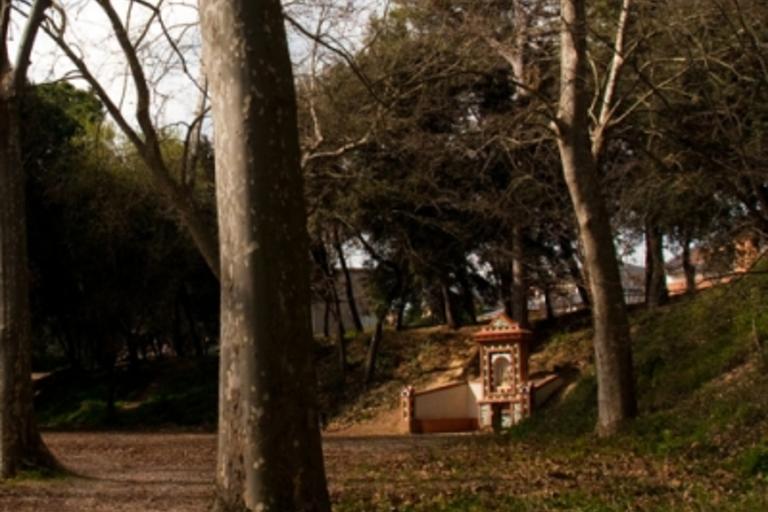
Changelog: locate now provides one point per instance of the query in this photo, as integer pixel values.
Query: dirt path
(121, 472)
(168, 472)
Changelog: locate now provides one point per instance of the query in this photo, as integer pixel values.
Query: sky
(175, 90)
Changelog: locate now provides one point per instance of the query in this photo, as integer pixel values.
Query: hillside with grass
(700, 442)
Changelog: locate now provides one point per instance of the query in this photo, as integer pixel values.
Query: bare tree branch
(34, 20)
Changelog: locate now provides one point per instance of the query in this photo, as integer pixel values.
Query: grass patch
(754, 461)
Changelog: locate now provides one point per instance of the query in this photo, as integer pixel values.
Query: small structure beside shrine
(504, 394)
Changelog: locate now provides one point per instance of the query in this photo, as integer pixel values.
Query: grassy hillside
(700, 443)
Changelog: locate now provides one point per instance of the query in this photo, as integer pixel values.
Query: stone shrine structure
(503, 396)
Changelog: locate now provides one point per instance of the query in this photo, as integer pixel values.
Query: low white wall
(473, 397)
(456, 401)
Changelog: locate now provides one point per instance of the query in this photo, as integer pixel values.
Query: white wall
(457, 401)
(473, 397)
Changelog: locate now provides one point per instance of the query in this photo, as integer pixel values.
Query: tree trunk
(448, 312)
(20, 442)
(327, 319)
(341, 342)
(400, 319)
(689, 268)
(505, 284)
(519, 279)
(550, 311)
(373, 350)
(613, 352)
(354, 313)
(656, 292)
(569, 255)
(270, 456)
(467, 298)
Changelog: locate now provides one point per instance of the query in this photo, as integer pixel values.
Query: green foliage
(754, 462)
(178, 394)
(101, 241)
(573, 417)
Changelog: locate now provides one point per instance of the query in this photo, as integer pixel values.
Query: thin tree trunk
(341, 342)
(373, 350)
(689, 268)
(519, 279)
(550, 311)
(327, 319)
(400, 320)
(569, 255)
(269, 447)
(467, 298)
(613, 353)
(505, 284)
(448, 313)
(358, 324)
(656, 292)
(20, 441)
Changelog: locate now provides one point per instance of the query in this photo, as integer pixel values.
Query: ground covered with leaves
(173, 472)
(700, 443)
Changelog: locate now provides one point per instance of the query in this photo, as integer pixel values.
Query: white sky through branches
(174, 73)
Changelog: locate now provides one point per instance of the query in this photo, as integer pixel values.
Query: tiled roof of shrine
(502, 328)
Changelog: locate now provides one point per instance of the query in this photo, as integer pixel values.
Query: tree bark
(550, 311)
(270, 455)
(569, 255)
(504, 271)
(656, 292)
(341, 342)
(448, 313)
(689, 268)
(327, 319)
(373, 349)
(467, 297)
(400, 318)
(613, 353)
(20, 442)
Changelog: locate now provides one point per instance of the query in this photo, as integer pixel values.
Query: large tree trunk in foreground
(269, 455)
(613, 353)
(656, 292)
(20, 442)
